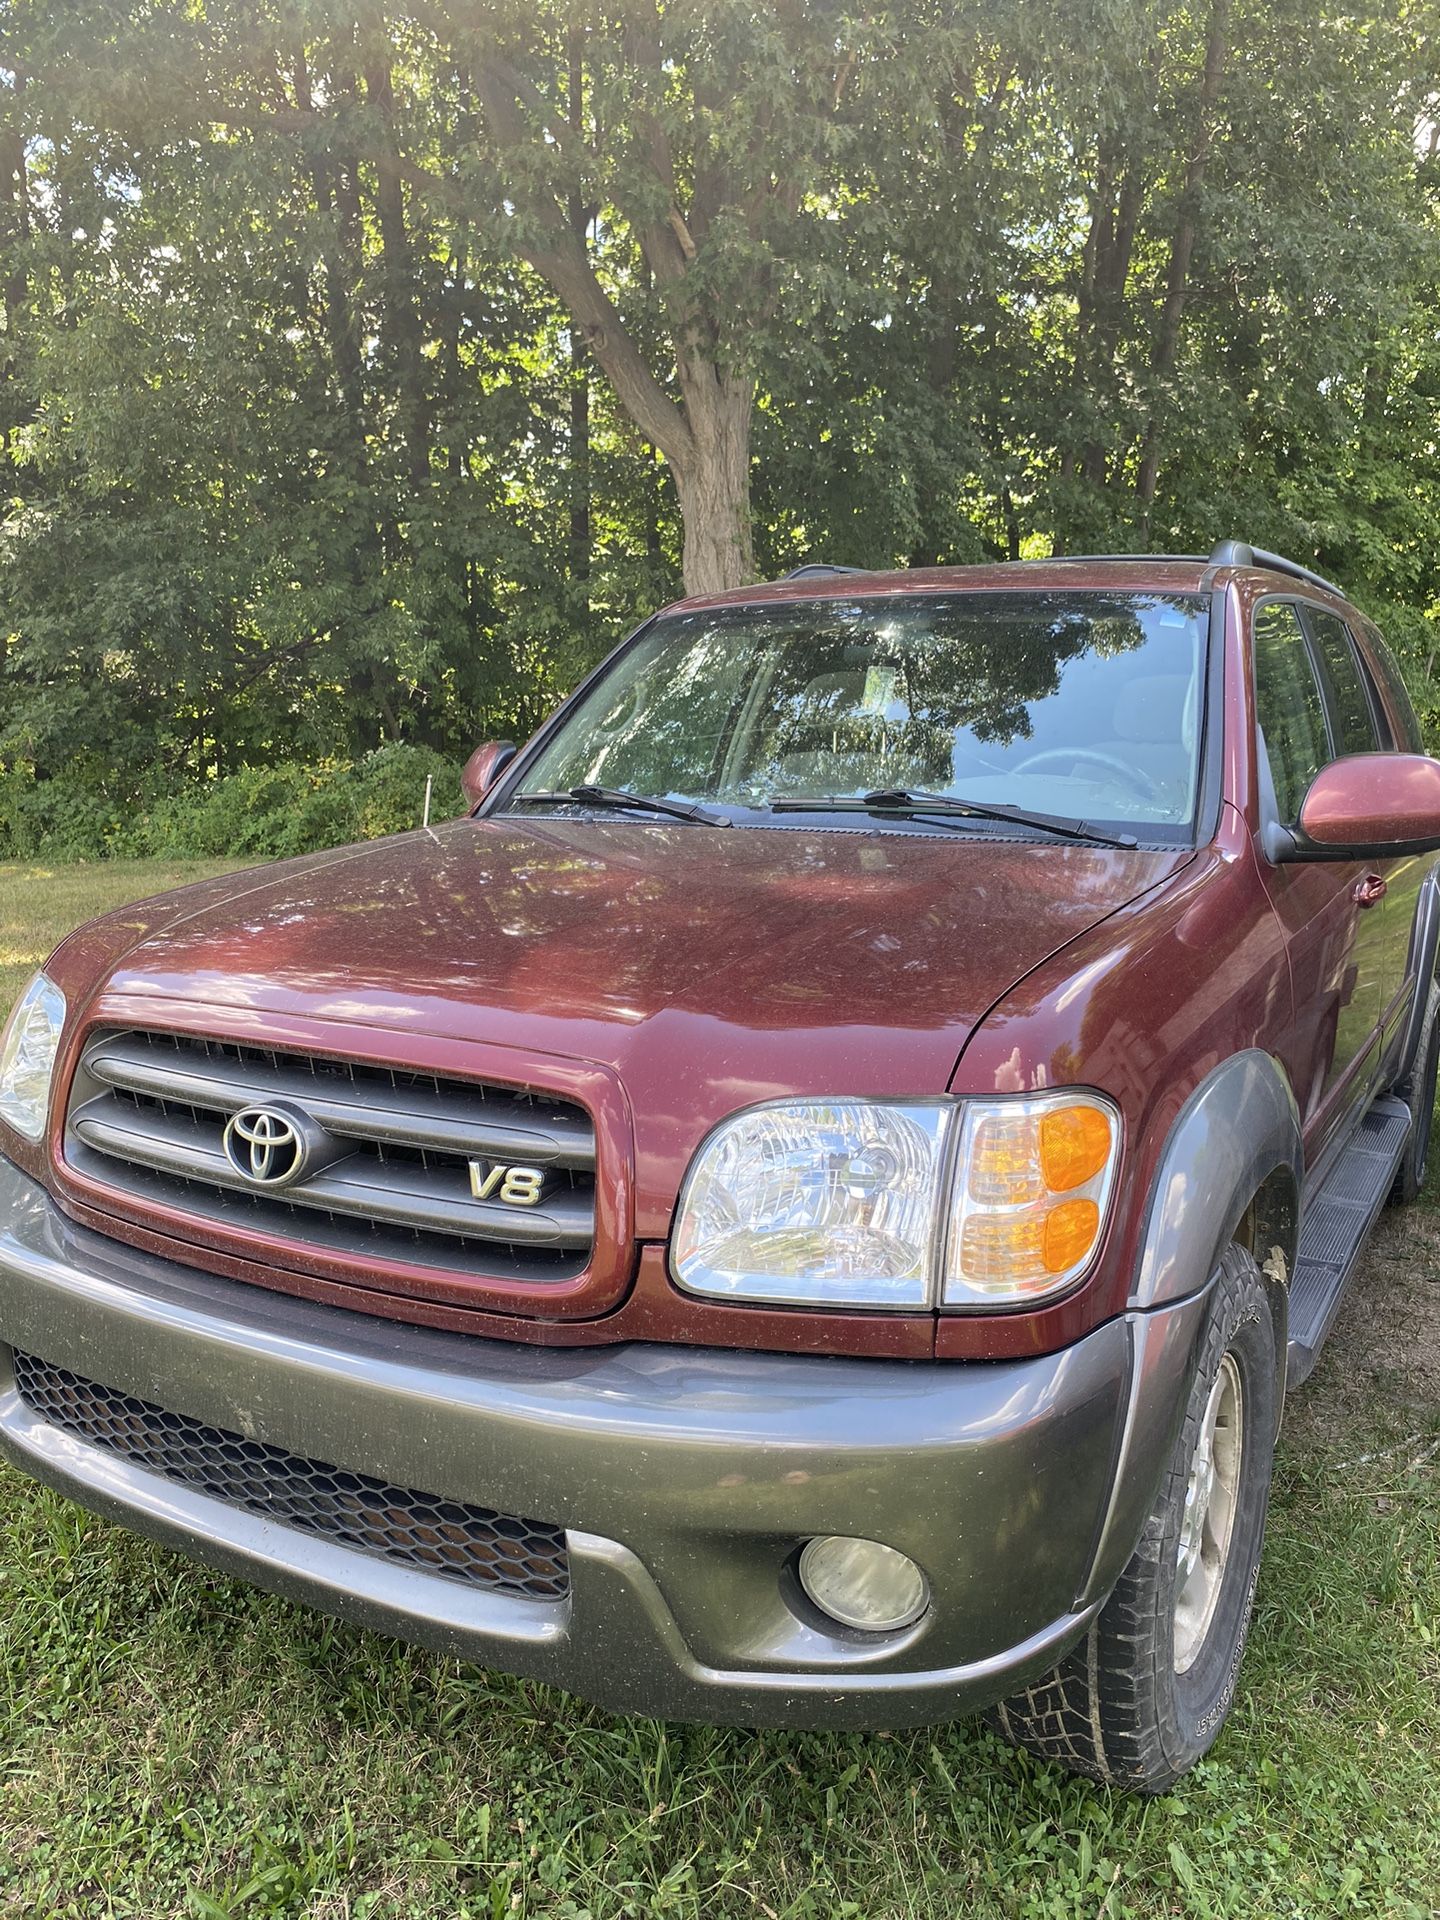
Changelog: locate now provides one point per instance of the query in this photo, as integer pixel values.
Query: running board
(1335, 1224)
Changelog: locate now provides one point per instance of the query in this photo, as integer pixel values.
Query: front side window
(1288, 706)
(1083, 705)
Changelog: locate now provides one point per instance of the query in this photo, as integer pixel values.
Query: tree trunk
(579, 462)
(1110, 247)
(397, 275)
(1012, 523)
(341, 331)
(14, 282)
(705, 440)
(714, 483)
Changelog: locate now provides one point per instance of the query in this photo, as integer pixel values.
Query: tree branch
(558, 255)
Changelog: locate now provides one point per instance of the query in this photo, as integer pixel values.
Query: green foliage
(354, 360)
(259, 813)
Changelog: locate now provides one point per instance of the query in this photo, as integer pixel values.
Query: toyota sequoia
(803, 1206)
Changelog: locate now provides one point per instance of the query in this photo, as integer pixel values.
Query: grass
(40, 905)
(175, 1744)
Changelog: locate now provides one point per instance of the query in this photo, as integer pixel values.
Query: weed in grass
(174, 1746)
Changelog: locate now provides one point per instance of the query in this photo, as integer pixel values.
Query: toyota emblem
(266, 1146)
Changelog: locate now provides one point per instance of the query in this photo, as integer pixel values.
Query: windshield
(1080, 705)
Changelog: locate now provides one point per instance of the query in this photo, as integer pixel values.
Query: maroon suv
(803, 1208)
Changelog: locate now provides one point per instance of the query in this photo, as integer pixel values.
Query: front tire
(1147, 1690)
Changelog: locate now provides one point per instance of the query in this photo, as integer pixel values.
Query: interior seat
(1154, 730)
(832, 702)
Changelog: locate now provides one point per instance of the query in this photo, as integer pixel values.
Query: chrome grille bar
(439, 1199)
(496, 1125)
(148, 1116)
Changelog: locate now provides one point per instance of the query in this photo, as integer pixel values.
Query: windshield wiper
(632, 802)
(902, 800)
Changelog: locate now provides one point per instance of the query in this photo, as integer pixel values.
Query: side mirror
(484, 768)
(1368, 806)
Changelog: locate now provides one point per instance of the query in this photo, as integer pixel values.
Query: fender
(1237, 1132)
(1231, 1168)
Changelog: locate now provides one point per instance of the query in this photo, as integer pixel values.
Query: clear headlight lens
(27, 1056)
(839, 1203)
(816, 1204)
(1031, 1194)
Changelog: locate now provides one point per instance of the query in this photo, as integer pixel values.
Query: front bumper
(685, 1480)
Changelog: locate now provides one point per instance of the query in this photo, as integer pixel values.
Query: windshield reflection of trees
(759, 700)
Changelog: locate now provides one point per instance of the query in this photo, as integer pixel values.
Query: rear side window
(1288, 706)
(1351, 714)
(1408, 736)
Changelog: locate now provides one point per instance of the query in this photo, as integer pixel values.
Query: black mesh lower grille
(421, 1530)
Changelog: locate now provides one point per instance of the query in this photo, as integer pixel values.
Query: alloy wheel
(1209, 1517)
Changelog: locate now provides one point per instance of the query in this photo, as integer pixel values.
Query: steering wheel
(1138, 778)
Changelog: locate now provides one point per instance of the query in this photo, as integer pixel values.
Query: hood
(710, 968)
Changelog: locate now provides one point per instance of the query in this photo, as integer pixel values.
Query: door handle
(1369, 891)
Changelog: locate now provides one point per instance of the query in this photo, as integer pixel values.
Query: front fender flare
(1233, 1156)
(1237, 1138)
(1421, 968)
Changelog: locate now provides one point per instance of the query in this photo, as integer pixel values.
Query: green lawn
(172, 1743)
(40, 905)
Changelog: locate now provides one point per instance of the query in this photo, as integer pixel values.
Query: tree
(665, 169)
(366, 370)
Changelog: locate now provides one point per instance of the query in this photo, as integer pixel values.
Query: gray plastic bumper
(685, 1480)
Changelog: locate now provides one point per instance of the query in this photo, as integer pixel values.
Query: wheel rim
(1209, 1518)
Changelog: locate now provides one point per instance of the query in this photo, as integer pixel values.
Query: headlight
(27, 1056)
(843, 1203)
(819, 1205)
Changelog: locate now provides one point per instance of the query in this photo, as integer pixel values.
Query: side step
(1335, 1224)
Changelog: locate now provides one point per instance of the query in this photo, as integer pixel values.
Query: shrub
(57, 819)
(256, 813)
(388, 788)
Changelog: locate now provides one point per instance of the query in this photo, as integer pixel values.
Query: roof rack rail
(821, 570)
(1237, 553)
(1198, 559)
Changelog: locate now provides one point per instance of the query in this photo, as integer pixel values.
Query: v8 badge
(515, 1186)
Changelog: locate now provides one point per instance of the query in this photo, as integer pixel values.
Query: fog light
(862, 1583)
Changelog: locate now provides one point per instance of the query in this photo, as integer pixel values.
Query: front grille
(392, 1154)
(448, 1537)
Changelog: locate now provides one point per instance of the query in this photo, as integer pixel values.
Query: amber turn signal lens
(1074, 1146)
(1071, 1230)
(1035, 1180)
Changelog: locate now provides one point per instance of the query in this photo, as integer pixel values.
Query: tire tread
(1102, 1710)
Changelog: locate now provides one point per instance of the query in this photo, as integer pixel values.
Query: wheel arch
(1229, 1174)
(1230, 1170)
(1270, 1227)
